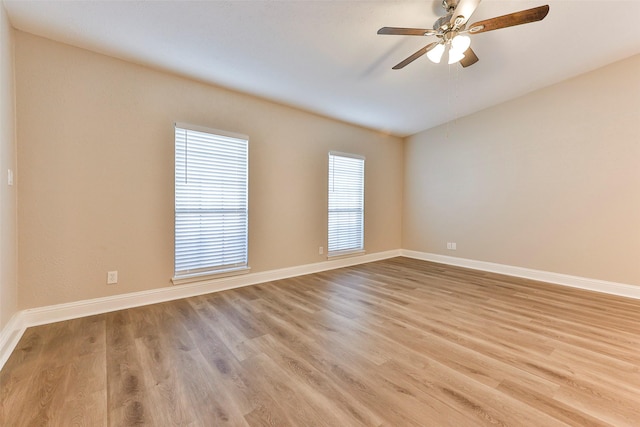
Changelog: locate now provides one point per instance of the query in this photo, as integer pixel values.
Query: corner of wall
(8, 193)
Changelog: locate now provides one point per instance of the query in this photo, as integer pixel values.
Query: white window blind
(211, 215)
(346, 204)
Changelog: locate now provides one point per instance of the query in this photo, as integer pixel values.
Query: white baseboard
(12, 332)
(10, 335)
(613, 288)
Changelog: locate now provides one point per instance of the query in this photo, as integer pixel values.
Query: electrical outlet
(453, 246)
(320, 250)
(112, 277)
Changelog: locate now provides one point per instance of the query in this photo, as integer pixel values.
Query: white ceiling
(325, 56)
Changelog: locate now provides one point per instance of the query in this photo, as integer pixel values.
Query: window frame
(217, 270)
(351, 251)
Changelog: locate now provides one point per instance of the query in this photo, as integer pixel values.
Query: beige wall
(549, 181)
(96, 173)
(8, 205)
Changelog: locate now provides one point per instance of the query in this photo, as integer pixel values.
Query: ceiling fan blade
(465, 9)
(469, 59)
(517, 18)
(415, 56)
(406, 31)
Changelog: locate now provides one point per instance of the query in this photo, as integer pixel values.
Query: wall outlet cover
(112, 277)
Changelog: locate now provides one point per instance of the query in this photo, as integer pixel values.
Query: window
(211, 215)
(346, 204)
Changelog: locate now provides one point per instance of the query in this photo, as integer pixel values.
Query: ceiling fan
(452, 30)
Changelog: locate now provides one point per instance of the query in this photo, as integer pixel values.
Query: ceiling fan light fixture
(455, 56)
(451, 29)
(460, 43)
(435, 54)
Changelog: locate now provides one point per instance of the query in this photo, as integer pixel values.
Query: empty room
(319, 213)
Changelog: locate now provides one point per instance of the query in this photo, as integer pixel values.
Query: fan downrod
(449, 5)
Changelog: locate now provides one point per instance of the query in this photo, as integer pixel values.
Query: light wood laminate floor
(398, 342)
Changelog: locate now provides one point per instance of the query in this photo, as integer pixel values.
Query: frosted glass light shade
(435, 54)
(460, 43)
(455, 56)
(459, 46)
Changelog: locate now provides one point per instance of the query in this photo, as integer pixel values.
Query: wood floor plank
(17, 374)
(85, 386)
(399, 342)
(127, 402)
(158, 350)
(351, 411)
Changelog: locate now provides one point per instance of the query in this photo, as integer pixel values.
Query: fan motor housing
(442, 23)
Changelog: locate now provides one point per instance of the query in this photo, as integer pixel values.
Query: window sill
(203, 277)
(345, 254)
